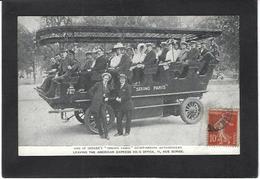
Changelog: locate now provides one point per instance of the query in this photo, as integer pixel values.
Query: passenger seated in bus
(165, 49)
(85, 81)
(214, 48)
(55, 62)
(100, 66)
(188, 46)
(130, 51)
(205, 59)
(149, 64)
(173, 52)
(158, 52)
(193, 54)
(137, 63)
(69, 67)
(183, 52)
(119, 64)
(183, 58)
(203, 50)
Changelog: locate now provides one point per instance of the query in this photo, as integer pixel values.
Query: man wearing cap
(203, 49)
(193, 54)
(68, 67)
(149, 63)
(100, 94)
(205, 59)
(165, 49)
(214, 48)
(100, 66)
(125, 106)
(183, 53)
(85, 81)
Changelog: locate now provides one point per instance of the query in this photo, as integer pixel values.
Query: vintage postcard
(128, 85)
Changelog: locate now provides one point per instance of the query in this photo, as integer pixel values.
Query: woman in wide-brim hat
(106, 74)
(119, 46)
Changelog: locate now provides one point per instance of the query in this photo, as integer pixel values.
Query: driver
(68, 68)
(55, 62)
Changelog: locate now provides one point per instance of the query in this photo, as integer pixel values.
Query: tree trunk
(34, 71)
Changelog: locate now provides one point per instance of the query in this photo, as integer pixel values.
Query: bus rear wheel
(90, 121)
(80, 116)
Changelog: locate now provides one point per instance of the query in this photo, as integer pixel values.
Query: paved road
(39, 128)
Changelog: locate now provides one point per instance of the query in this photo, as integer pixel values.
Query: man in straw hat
(100, 94)
(124, 107)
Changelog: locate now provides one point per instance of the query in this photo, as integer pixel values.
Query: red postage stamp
(222, 127)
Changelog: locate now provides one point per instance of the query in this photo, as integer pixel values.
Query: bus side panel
(150, 111)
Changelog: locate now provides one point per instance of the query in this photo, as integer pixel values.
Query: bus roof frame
(113, 34)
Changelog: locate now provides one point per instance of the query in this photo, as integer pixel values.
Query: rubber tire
(81, 120)
(182, 110)
(95, 130)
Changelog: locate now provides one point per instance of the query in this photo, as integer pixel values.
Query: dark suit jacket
(96, 93)
(193, 54)
(124, 65)
(203, 52)
(125, 93)
(150, 66)
(101, 64)
(87, 65)
(99, 68)
(150, 58)
(63, 69)
(162, 57)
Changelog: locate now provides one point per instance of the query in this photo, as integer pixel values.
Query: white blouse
(115, 61)
(172, 55)
(139, 54)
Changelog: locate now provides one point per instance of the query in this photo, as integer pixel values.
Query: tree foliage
(24, 48)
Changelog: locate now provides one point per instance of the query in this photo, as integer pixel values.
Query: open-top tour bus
(177, 95)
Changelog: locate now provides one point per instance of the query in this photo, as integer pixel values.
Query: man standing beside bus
(99, 94)
(125, 106)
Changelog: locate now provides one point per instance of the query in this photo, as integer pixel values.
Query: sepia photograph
(128, 85)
